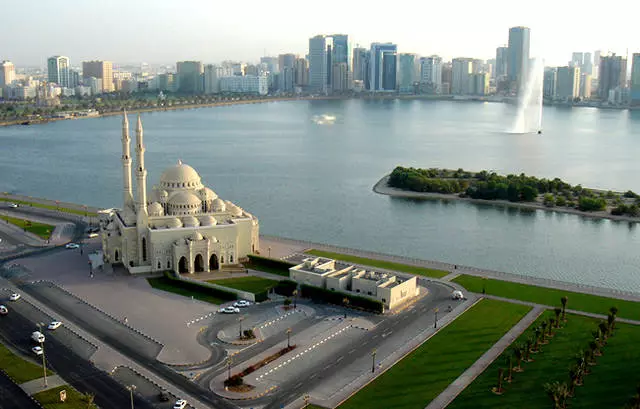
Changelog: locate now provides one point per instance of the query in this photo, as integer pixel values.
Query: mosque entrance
(182, 265)
(198, 264)
(213, 262)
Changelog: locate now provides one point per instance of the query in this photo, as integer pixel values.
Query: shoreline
(382, 188)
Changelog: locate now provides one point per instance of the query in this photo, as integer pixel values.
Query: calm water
(313, 182)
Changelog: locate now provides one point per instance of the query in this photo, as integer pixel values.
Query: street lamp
(295, 299)
(269, 248)
(373, 360)
(435, 322)
(484, 281)
(131, 388)
(229, 362)
(240, 322)
(44, 362)
(288, 337)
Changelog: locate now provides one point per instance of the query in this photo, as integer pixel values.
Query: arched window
(144, 249)
(159, 265)
(221, 259)
(168, 263)
(231, 259)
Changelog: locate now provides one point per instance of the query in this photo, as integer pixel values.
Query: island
(511, 190)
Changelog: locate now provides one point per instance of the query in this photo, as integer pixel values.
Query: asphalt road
(12, 396)
(81, 374)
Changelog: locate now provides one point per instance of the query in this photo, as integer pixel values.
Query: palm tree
(89, 398)
(573, 378)
(611, 319)
(518, 353)
(509, 378)
(558, 392)
(587, 356)
(527, 354)
(544, 331)
(564, 301)
(551, 322)
(604, 329)
(614, 311)
(537, 345)
(595, 351)
(498, 390)
(557, 311)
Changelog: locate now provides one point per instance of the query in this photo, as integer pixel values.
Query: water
(312, 181)
(529, 114)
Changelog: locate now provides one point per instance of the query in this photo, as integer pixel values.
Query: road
(12, 396)
(81, 374)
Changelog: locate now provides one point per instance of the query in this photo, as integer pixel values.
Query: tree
(557, 311)
(89, 398)
(518, 353)
(564, 300)
(527, 355)
(551, 323)
(537, 335)
(610, 321)
(614, 311)
(604, 330)
(544, 331)
(634, 402)
(509, 377)
(498, 389)
(558, 392)
(595, 350)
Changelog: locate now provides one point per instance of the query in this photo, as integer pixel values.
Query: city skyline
(154, 28)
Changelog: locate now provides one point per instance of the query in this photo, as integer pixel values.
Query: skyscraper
(502, 58)
(518, 62)
(318, 60)
(301, 72)
(286, 80)
(7, 73)
(596, 64)
(407, 73)
(635, 79)
(612, 74)
(383, 67)
(460, 75)
(577, 59)
(549, 83)
(190, 80)
(58, 70)
(102, 70)
(431, 74)
(271, 63)
(587, 64)
(568, 83)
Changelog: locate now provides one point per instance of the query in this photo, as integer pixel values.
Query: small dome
(196, 236)
(180, 176)
(208, 194)
(173, 223)
(208, 221)
(163, 195)
(184, 199)
(190, 221)
(218, 205)
(233, 209)
(155, 209)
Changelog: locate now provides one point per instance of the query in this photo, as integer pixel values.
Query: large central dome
(180, 176)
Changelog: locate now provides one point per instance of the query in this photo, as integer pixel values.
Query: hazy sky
(165, 31)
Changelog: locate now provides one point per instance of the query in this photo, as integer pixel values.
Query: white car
(180, 404)
(3, 310)
(13, 205)
(37, 350)
(72, 246)
(14, 297)
(457, 295)
(229, 310)
(92, 235)
(54, 325)
(241, 304)
(37, 336)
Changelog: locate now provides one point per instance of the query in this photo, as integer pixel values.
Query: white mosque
(184, 226)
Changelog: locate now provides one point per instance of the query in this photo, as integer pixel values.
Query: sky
(165, 31)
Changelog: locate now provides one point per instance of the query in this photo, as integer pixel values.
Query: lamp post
(306, 400)
(44, 362)
(131, 388)
(435, 322)
(229, 362)
(484, 284)
(295, 299)
(269, 249)
(373, 360)
(240, 326)
(288, 337)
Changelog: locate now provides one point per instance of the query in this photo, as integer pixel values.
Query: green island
(39, 229)
(422, 375)
(18, 369)
(251, 284)
(50, 399)
(542, 193)
(79, 212)
(198, 293)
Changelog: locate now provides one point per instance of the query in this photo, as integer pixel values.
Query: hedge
(337, 297)
(263, 296)
(285, 287)
(271, 265)
(193, 286)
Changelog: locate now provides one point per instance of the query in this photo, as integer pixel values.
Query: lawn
(50, 207)
(251, 284)
(550, 296)
(608, 386)
(17, 368)
(421, 376)
(164, 284)
(50, 399)
(40, 229)
(387, 265)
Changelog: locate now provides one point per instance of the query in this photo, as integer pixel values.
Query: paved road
(85, 377)
(12, 396)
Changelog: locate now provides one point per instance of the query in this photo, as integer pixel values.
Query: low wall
(241, 294)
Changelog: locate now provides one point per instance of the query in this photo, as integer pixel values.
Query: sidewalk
(456, 387)
(37, 385)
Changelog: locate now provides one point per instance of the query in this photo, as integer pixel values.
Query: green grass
(250, 284)
(550, 296)
(267, 269)
(50, 399)
(387, 265)
(17, 368)
(39, 229)
(50, 207)
(612, 380)
(164, 284)
(421, 376)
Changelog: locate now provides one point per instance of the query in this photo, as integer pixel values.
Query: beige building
(183, 226)
(334, 275)
(7, 73)
(102, 70)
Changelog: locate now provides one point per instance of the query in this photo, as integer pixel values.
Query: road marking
(328, 366)
(386, 334)
(352, 351)
(339, 359)
(375, 336)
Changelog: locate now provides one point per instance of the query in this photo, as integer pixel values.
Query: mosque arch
(182, 265)
(213, 262)
(144, 249)
(198, 264)
(116, 256)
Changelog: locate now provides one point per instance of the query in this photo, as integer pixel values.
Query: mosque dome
(174, 223)
(196, 236)
(180, 176)
(155, 209)
(233, 209)
(218, 205)
(190, 221)
(208, 194)
(185, 200)
(163, 195)
(208, 221)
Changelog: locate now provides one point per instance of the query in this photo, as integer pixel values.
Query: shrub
(287, 302)
(549, 200)
(270, 265)
(337, 297)
(285, 287)
(235, 380)
(630, 194)
(194, 286)
(248, 334)
(561, 201)
(587, 204)
(263, 296)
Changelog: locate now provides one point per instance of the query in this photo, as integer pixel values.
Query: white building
(95, 84)
(19, 91)
(246, 84)
(431, 74)
(7, 73)
(212, 76)
(334, 275)
(318, 70)
(183, 226)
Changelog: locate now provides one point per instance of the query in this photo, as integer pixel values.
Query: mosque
(183, 227)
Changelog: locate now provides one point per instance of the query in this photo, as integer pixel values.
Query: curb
(267, 391)
(140, 375)
(18, 385)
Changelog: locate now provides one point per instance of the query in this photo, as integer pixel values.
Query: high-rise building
(7, 73)
(479, 83)
(585, 85)
(286, 60)
(587, 64)
(635, 79)
(477, 66)
(318, 63)
(460, 74)
(287, 63)
(339, 77)
(247, 84)
(431, 74)
(502, 58)
(103, 70)
(301, 72)
(360, 63)
(549, 82)
(212, 76)
(271, 63)
(612, 74)
(518, 62)
(577, 59)
(596, 64)
(447, 77)
(167, 82)
(407, 75)
(190, 79)
(340, 49)
(568, 83)
(58, 70)
(383, 67)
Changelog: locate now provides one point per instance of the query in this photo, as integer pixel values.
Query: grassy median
(50, 399)
(422, 375)
(549, 296)
(251, 284)
(39, 229)
(165, 284)
(79, 212)
(387, 265)
(17, 368)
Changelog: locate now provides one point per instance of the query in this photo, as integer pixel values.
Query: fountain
(529, 116)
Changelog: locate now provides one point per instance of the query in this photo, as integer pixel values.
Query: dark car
(164, 397)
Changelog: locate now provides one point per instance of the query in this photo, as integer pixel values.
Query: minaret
(141, 177)
(127, 199)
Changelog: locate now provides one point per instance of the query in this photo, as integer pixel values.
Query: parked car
(37, 336)
(180, 404)
(14, 297)
(241, 304)
(71, 246)
(457, 295)
(37, 350)
(54, 325)
(230, 310)
(13, 205)
(3, 310)
(92, 235)
(164, 397)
